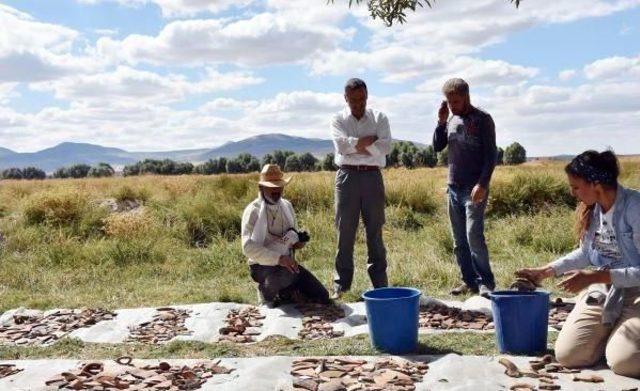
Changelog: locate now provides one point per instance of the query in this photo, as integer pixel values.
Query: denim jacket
(626, 222)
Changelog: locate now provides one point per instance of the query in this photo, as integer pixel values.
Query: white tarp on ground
(206, 319)
(448, 372)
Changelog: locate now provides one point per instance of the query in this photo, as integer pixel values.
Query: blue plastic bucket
(392, 315)
(521, 320)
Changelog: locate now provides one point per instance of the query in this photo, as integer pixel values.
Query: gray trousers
(277, 280)
(356, 193)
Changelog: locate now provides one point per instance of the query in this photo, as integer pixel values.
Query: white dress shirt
(346, 130)
(267, 253)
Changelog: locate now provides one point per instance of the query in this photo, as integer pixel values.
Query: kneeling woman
(606, 319)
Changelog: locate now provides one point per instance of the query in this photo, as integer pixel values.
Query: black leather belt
(359, 168)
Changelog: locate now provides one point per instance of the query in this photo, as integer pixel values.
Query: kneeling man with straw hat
(270, 240)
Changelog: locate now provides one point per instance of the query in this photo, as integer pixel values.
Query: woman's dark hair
(593, 167)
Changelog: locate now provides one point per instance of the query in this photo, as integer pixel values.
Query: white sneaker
(484, 291)
(336, 295)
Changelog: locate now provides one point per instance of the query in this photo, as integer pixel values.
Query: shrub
(126, 192)
(528, 193)
(307, 162)
(78, 171)
(102, 170)
(328, 163)
(12, 173)
(128, 225)
(24, 173)
(426, 157)
(133, 252)
(499, 156)
(57, 207)
(407, 159)
(311, 191)
(33, 173)
(515, 154)
(293, 164)
(403, 218)
(419, 196)
(206, 217)
(443, 157)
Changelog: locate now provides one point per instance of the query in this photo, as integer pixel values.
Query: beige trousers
(584, 340)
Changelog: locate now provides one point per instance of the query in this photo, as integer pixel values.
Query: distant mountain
(263, 144)
(190, 155)
(267, 143)
(68, 153)
(6, 152)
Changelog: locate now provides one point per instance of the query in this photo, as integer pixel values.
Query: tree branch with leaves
(391, 11)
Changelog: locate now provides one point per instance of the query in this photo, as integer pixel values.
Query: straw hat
(272, 176)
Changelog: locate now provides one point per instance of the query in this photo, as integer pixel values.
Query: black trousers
(272, 280)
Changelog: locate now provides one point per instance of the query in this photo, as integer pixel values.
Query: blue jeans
(469, 245)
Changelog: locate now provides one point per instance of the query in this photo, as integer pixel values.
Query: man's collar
(367, 113)
(469, 111)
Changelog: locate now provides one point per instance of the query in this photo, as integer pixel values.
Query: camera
(293, 236)
(303, 236)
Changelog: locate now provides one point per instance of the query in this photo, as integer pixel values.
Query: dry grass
(62, 250)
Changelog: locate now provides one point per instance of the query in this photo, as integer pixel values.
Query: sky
(558, 76)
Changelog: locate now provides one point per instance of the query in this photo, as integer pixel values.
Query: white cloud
(398, 64)
(21, 32)
(133, 108)
(260, 40)
(546, 119)
(9, 120)
(567, 74)
(106, 32)
(434, 40)
(478, 73)
(619, 68)
(126, 124)
(126, 83)
(309, 12)
(401, 64)
(466, 27)
(181, 8)
(35, 51)
(550, 120)
(299, 112)
(38, 65)
(7, 92)
(602, 98)
(226, 105)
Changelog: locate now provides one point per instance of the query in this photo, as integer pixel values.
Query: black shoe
(463, 289)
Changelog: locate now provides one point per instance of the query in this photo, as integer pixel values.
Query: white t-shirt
(605, 241)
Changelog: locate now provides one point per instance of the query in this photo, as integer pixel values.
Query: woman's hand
(536, 274)
(576, 281)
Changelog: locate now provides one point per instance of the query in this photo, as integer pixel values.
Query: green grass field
(61, 249)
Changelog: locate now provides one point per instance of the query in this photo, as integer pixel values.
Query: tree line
(403, 154)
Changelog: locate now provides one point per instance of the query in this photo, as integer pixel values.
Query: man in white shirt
(269, 240)
(362, 139)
